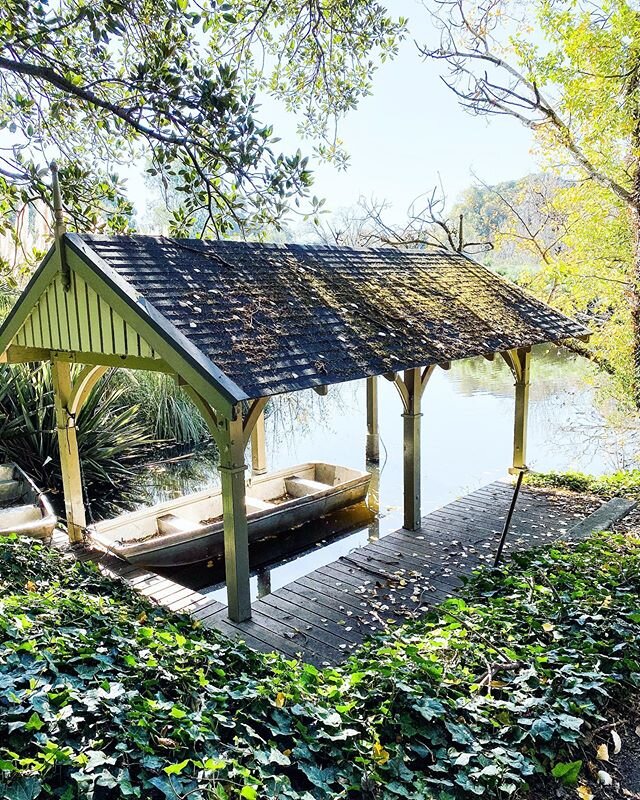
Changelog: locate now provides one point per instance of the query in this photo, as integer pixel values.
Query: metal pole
(507, 523)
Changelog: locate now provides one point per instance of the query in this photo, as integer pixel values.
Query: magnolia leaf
(380, 755)
(617, 742)
(604, 778)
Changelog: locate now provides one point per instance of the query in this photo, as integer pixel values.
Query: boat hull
(24, 509)
(206, 541)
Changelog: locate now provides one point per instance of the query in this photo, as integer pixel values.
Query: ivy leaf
(22, 789)
(176, 769)
(34, 723)
(567, 771)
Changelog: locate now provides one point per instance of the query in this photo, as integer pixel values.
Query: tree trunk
(634, 292)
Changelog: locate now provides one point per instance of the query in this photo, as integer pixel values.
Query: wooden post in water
(68, 445)
(258, 448)
(234, 511)
(411, 447)
(373, 434)
(522, 364)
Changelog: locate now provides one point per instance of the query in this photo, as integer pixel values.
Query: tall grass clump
(165, 408)
(112, 437)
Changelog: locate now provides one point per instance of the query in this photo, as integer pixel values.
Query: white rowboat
(24, 509)
(189, 529)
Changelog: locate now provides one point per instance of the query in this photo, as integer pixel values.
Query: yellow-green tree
(570, 71)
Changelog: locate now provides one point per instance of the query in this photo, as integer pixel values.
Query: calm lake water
(466, 443)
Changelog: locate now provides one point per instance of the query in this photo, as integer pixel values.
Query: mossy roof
(280, 318)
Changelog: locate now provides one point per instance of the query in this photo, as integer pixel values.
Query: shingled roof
(280, 318)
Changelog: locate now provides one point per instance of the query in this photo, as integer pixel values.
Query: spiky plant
(112, 437)
(167, 410)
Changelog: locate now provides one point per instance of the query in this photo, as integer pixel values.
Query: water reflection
(466, 442)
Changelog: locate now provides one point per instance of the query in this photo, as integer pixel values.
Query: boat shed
(238, 322)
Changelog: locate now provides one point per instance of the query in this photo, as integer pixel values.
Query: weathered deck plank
(404, 572)
(322, 616)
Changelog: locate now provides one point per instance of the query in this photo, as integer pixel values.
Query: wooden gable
(81, 321)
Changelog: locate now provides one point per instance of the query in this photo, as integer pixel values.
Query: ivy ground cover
(104, 696)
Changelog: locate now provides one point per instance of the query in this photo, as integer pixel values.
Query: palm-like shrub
(166, 409)
(112, 437)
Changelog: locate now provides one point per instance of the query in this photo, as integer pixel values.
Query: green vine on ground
(104, 695)
(624, 483)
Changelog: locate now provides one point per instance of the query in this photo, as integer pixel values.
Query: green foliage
(111, 437)
(101, 83)
(105, 694)
(167, 411)
(625, 483)
(569, 71)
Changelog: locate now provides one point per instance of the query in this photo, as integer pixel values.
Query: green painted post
(523, 360)
(236, 538)
(258, 447)
(373, 435)
(68, 446)
(412, 419)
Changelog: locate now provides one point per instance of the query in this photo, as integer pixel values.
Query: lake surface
(467, 429)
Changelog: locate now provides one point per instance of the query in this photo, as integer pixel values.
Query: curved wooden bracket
(82, 387)
(209, 415)
(256, 408)
(516, 360)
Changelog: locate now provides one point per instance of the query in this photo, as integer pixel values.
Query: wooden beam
(521, 415)
(236, 535)
(258, 447)
(68, 445)
(519, 362)
(411, 446)
(373, 434)
(230, 436)
(16, 354)
(109, 360)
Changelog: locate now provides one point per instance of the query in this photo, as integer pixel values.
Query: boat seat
(10, 490)
(18, 515)
(300, 487)
(255, 504)
(6, 472)
(171, 523)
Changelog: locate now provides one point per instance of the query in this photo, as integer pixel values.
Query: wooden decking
(324, 615)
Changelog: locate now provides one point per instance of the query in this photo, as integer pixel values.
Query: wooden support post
(373, 502)
(522, 358)
(234, 511)
(68, 445)
(264, 582)
(411, 418)
(373, 434)
(258, 448)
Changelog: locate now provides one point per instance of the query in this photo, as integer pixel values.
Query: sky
(407, 136)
